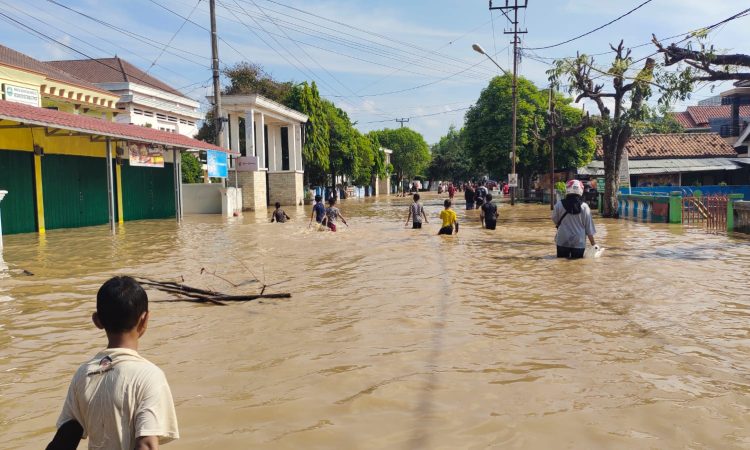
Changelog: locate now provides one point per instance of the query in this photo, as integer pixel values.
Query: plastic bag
(593, 252)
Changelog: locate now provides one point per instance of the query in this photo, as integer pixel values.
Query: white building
(268, 135)
(144, 100)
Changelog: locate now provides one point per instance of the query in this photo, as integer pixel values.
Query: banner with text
(144, 155)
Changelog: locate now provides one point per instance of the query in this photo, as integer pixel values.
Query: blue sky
(368, 52)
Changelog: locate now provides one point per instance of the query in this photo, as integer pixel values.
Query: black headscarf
(572, 203)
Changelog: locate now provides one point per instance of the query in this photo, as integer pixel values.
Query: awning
(660, 166)
(53, 119)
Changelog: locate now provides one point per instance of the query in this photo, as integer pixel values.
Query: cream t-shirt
(119, 396)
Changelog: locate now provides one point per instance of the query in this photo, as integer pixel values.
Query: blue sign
(217, 164)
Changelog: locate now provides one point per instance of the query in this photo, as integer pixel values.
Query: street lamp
(478, 48)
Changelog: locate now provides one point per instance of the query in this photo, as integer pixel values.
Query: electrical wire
(592, 31)
(169, 43)
(423, 115)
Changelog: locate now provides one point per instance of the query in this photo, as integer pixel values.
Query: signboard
(217, 163)
(513, 180)
(20, 94)
(247, 164)
(145, 155)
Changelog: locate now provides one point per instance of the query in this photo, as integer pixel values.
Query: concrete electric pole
(402, 121)
(516, 40)
(218, 121)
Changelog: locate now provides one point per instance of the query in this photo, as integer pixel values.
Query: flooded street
(398, 338)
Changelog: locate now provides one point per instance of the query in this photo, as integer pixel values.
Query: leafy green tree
(617, 119)
(191, 168)
(411, 154)
(488, 130)
(658, 120)
(247, 78)
(316, 150)
(450, 160)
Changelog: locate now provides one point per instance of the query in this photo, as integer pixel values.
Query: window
(191, 123)
(161, 116)
(183, 121)
(148, 113)
(137, 111)
(172, 119)
(284, 148)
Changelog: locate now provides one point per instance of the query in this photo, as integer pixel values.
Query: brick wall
(253, 186)
(286, 188)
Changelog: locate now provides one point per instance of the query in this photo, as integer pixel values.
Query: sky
(377, 60)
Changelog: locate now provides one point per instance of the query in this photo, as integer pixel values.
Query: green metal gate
(75, 191)
(17, 177)
(147, 192)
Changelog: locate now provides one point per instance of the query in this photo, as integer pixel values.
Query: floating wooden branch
(197, 295)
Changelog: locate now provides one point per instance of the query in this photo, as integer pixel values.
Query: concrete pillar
(293, 147)
(250, 132)
(2, 196)
(260, 142)
(234, 132)
(272, 167)
(225, 128)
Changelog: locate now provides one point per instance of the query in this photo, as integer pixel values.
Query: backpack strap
(559, 222)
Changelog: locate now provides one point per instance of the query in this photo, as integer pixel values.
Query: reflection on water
(398, 338)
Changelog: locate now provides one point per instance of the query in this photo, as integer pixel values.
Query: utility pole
(402, 121)
(516, 40)
(218, 120)
(550, 112)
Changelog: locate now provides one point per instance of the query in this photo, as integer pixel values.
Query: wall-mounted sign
(247, 164)
(20, 94)
(624, 175)
(217, 163)
(513, 180)
(144, 155)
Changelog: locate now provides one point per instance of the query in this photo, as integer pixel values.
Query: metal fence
(709, 212)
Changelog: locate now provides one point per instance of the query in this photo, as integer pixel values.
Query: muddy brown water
(398, 338)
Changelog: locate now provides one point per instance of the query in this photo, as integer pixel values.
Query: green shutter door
(147, 192)
(75, 191)
(17, 177)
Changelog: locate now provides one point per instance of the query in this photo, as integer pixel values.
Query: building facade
(269, 138)
(143, 99)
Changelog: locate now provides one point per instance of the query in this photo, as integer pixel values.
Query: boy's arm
(456, 224)
(343, 219)
(147, 443)
(67, 437)
(287, 216)
(424, 214)
(408, 216)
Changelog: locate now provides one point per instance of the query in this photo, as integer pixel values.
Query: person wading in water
(574, 223)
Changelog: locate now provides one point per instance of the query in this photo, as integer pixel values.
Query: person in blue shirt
(318, 211)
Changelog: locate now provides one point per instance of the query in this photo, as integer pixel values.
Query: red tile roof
(699, 116)
(51, 118)
(684, 119)
(10, 57)
(676, 145)
(111, 70)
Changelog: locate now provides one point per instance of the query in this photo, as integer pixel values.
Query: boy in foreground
(279, 215)
(416, 211)
(448, 216)
(488, 215)
(119, 400)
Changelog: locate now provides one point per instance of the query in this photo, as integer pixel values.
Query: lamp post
(478, 48)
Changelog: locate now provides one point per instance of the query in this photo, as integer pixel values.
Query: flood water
(398, 338)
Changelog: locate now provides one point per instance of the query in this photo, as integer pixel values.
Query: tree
(247, 78)
(316, 150)
(342, 141)
(450, 161)
(411, 154)
(615, 126)
(191, 168)
(488, 131)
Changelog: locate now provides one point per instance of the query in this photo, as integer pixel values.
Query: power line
(371, 33)
(55, 41)
(153, 63)
(406, 119)
(592, 31)
(376, 48)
